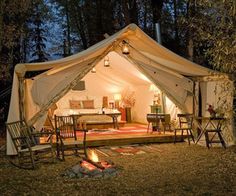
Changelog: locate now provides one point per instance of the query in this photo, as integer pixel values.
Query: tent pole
(158, 39)
(21, 97)
(194, 98)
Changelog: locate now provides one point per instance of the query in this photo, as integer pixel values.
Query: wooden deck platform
(126, 139)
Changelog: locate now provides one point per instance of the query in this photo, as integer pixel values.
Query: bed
(85, 111)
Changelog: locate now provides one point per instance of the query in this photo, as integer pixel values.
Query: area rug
(123, 130)
(127, 150)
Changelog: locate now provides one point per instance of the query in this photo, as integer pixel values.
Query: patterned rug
(122, 130)
(127, 150)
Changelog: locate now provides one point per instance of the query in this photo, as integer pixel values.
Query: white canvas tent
(148, 62)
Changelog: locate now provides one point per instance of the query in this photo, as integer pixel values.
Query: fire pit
(91, 167)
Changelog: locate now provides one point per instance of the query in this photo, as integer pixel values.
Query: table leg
(207, 139)
(115, 122)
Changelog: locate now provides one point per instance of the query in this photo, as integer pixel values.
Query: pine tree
(38, 34)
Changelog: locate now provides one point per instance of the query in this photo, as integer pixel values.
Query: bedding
(89, 118)
(85, 106)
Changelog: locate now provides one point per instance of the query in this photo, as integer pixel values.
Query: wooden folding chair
(66, 135)
(185, 125)
(29, 151)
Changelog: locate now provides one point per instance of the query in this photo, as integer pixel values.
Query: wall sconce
(93, 70)
(125, 47)
(106, 61)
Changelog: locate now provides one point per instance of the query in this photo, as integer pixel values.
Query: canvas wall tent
(177, 77)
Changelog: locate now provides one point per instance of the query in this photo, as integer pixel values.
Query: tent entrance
(115, 88)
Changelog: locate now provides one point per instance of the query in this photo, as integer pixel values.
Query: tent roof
(141, 45)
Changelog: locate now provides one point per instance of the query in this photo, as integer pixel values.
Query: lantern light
(125, 47)
(106, 61)
(93, 70)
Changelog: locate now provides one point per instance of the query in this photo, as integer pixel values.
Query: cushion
(75, 104)
(88, 104)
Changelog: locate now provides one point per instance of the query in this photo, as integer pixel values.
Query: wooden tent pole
(21, 98)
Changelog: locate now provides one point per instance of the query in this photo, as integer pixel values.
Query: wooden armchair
(185, 124)
(29, 151)
(67, 138)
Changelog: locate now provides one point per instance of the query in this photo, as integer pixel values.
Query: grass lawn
(170, 170)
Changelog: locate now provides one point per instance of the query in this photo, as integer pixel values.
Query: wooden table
(156, 119)
(114, 117)
(210, 125)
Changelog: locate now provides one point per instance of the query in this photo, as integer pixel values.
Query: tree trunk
(125, 8)
(68, 45)
(145, 17)
(176, 23)
(190, 43)
(80, 25)
(133, 11)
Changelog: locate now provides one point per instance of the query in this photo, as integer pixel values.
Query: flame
(93, 156)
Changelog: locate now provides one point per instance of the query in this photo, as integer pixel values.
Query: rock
(76, 169)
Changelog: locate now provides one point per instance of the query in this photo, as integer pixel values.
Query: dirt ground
(174, 169)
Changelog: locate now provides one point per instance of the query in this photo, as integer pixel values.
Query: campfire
(92, 162)
(92, 166)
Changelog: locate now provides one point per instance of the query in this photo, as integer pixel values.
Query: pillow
(74, 104)
(88, 104)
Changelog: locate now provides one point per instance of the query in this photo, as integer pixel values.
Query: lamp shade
(117, 97)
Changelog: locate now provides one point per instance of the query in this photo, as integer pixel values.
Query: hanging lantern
(93, 70)
(125, 47)
(106, 61)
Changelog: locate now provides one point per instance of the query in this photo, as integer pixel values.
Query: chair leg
(148, 128)
(188, 136)
(62, 150)
(191, 134)
(182, 135)
(32, 160)
(58, 150)
(207, 139)
(221, 139)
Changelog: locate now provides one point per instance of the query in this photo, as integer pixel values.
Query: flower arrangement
(211, 110)
(127, 98)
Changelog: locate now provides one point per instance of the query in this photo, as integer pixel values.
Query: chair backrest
(20, 134)
(185, 120)
(64, 126)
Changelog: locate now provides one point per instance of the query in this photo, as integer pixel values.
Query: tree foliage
(38, 32)
(214, 27)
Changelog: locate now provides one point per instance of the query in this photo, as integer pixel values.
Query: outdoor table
(213, 125)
